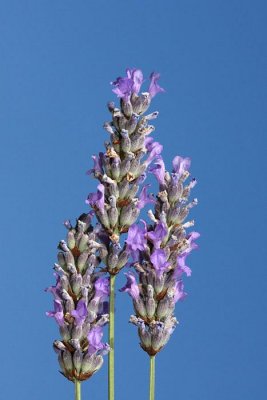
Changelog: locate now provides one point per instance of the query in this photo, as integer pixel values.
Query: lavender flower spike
(76, 312)
(160, 263)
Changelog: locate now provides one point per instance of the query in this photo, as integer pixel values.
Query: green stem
(77, 390)
(152, 378)
(111, 369)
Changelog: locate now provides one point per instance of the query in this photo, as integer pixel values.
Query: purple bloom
(94, 338)
(154, 88)
(137, 77)
(179, 293)
(154, 148)
(57, 313)
(158, 234)
(180, 165)
(80, 313)
(124, 87)
(136, 238)
(182, 267)
(144, 198)
(98, 164)
(97, 199)
(101, 288)
(158, 169)
(190, 239)
(131, 286)
(55, 290)
(158, 259)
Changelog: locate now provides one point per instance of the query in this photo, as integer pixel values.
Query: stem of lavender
(77, 390)
(111, 369)
(152, 378)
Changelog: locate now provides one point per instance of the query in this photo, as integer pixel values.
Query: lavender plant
(94, 254)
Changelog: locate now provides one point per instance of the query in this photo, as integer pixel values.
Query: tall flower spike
(121, 171)
(159, 260)
(79, 297)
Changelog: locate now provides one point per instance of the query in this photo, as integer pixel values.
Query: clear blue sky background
(57, 59)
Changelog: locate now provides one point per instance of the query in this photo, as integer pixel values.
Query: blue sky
(57, 59)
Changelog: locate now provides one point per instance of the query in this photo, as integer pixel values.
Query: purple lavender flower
(179, 293)
(180, 165)
(101, 288)
(137, 77)
(80, 313)
(159, 261)
(136, 238)
(158, 234)
(97, 199)
(154, 149)
(98, 164)
(182, 267)
(94, 338)
(131, 286)
(154, 88)
(158, 169)
(57, 313)
(124, 87)
(145, 198)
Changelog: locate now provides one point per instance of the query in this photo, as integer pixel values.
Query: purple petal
(158, 259)
(154, 88)
(154, 148)
(98, 164)
(180, 165)
(158, 234)
(137, 77)
(145, 198)
(123, 87)
(158, 169)
(94, 338)
(57, 313)
(97, 199)
(80, 313)
(131, 286)
(136, 238)
(101, 288)
(179, 293)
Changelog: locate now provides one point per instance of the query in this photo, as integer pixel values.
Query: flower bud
(127, 108)
(83, 242)
(140, 308)
(123, 188)
(142, 103)
(122, 260)
(70, 240)
(76, 283)
(115, 168)
(64, 332)
(77, 360)
(150, 307)
(131, 123)
(145, 338)
(67, 360)
(76, 332)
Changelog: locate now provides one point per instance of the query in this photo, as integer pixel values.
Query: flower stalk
(77, 390)
(152, 378)
(111, 366)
